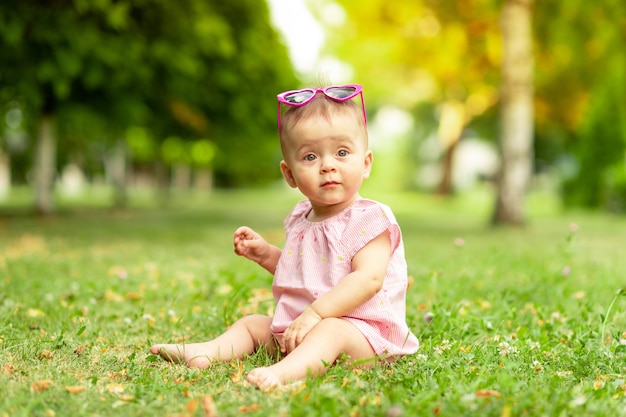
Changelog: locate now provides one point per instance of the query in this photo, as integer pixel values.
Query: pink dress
(317, 255)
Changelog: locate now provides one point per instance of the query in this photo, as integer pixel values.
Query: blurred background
(120, 97)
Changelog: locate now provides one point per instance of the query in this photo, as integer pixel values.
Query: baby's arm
(369, 267)
(250, 244)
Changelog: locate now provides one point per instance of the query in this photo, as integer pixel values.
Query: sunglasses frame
(358, 90)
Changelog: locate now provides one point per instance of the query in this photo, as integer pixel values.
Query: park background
(136, 135)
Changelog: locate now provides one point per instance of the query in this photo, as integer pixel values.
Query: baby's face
(327, 159)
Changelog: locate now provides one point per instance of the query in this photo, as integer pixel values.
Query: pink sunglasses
(298, 98)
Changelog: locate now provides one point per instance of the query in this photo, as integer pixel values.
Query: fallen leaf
(134, 296)
(115, 388)
(237, 377)
(208, 406)
(110, 295)
(192, 405)
(224, 289)
(75, 389)
(7, 368)
(486, 393)
(79, 350)
(249, 408)
(34, 312)
(40, 386)
(46, 354)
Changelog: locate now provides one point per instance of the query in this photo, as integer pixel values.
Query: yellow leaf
(7, 368)
(208, 406)
(46, 354)
(486, 393)
(75, 389)
(192, 405)
(249, 408)
(110, 295)
(40, 386)
(34, 312)
(79, 350)
(224, 289)
(237, 377)
(115, 388)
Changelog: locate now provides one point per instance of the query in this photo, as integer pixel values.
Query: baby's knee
(252, 320)
(258, 326)
(333, 325)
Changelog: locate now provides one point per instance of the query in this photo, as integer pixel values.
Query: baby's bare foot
(265, 378)
(193, 354)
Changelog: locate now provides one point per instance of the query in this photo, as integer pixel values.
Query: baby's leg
(242, 338)
(323, 345)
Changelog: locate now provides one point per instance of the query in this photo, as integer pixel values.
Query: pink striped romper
(317, 255)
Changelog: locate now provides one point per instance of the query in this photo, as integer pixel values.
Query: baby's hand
(299, 328)
(250, 244)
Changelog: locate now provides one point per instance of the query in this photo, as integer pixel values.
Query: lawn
(511, 322)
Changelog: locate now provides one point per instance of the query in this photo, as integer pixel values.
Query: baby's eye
(342, 152)
(309, 157)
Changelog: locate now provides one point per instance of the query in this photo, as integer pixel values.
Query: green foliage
(432, 51)
(141, 144)
(202, 153)
(600, 149)
(581, 96)
(173, 151)
(194, 69)
(198, 153)
(523, 322)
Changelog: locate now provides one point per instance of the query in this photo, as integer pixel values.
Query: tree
(191, 68)
(516, 113)
(581, 99)
(446, 55)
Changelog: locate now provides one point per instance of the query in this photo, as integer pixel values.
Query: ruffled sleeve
(365, 221)
(299, 212)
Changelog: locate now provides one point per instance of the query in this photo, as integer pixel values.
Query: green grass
(511, 322)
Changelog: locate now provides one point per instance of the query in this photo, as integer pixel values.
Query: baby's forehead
(318, 131)
(320, 107)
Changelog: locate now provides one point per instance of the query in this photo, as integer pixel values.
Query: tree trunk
(5, 175)
(45, 166)
(446, 185)
(516, 113)
(115, 164)
(451, 123)
(203, 180)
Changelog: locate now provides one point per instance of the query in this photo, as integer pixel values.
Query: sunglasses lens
(298, 97)
(340, 92)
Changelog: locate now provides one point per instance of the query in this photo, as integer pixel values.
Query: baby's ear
(287, 174)
(369, 160)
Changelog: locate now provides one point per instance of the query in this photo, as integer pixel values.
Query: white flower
(445, 345)
(506, 349)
